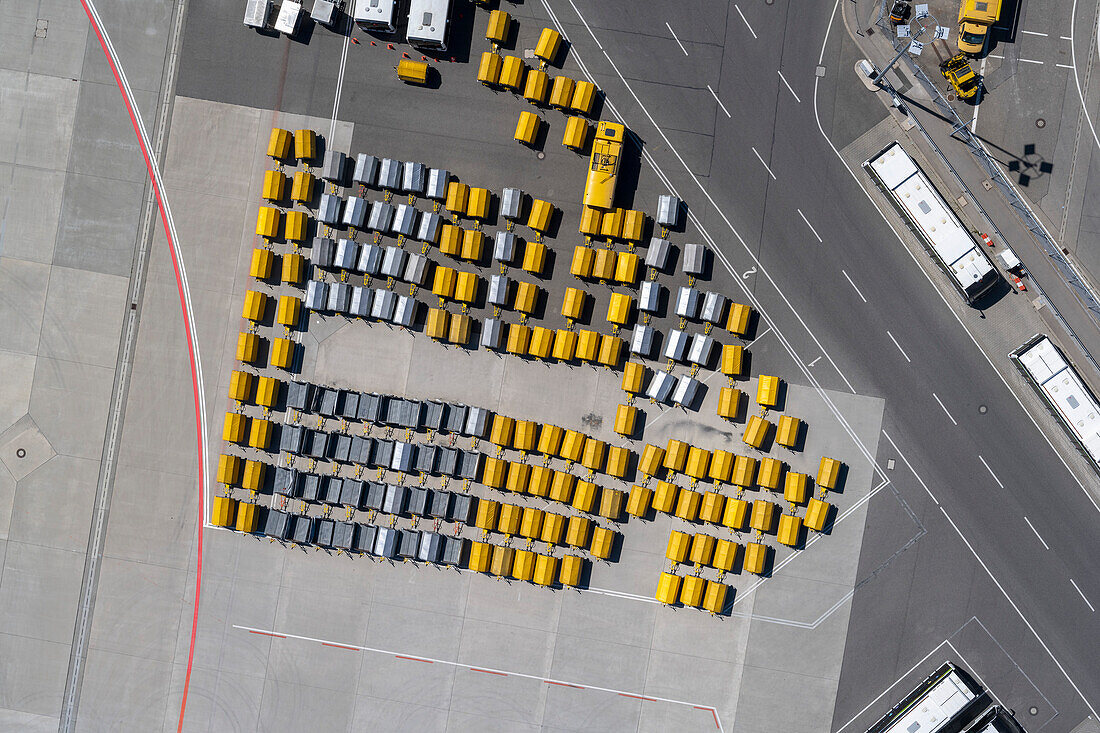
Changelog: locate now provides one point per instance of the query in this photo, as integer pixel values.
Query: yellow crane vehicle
(958, 72)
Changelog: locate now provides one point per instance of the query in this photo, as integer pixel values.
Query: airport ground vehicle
(429, 24)
(958, 72)
(900, 12)
(933, 221)
(603, 167)
(256, 13)
(376, 15)
(290, 12)
(975, 19)
(945, 698)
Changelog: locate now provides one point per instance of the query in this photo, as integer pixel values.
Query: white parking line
(1036, 533)
(949, 415)
(1086, 600)
(990, 471)
(719, 101)
(1035, 33)
(853, 286)
(677, 39)
(789, 87)
(1065, 38)
(1032, 61)
(735, 7)
(765, 164)
(811, 226)
(899, 347)
(1064, 66)
(994, 56)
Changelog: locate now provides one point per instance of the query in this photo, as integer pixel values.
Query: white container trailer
(376, 15)
(428, 24)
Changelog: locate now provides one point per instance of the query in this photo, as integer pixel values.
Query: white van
(428, 24)
(376, 15)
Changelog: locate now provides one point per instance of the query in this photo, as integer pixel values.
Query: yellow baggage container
(738, 321)
(443, 281)
(437, 323)
(246, 517)
(477, 205)
(618, 459)
(744, 471)
(526, 435)
(668, 589)
(603, 265)
(618, 309)
(687, 505)
(503, 558)
(676, 453)
(612, 225)
(223, 511)
(714, 600)
(729, 402)
(473, 241)
(652, 459)
(450, 240)
(539, 482)
(767, 391)
(305, 144)
(584, 94)
(519, 474)
(481, 555)
(486, 517)
(488, 71)
(588, 345)
(767, 477)
(795, 487)
(678, 547)
(576, 133)
(240, 385)
(633, 225)
(518, 338)
(278, 145)
(541, 213)
(259, 434)
(664, 498)
(229, 469)
(536, 87)
(593, 454)
(763, 515)
(457, 196)
(412, 72)
(790, 527)
(546, 570)
(735, 514)
(827, 472)
(732, 358)
(253, 476)
(581, 266)
(267, 222)
(710, 510)
(527, 295)
(584, 496)
(625, 418)
(248, 347)
(274, 185)
(548, 45)
(561, 92)
(698, 461)
(756, 431)
(301, 188)
(633, 376)
(512, 73)
(290, 308)
(494, 473)
(725, 555)
(295, 230)
(786, 433)
(577, 531)
(611, 350)
(501, 431)
(527, 128)
(534, 257)
(611, 504)
(499, 23)
(262, 261)
(267, 391)
(591, 219)
(550, 439)
(603, 539)
(721, 466)
(702, 549)
(531, 524)
(459, 332)
(565, 345)
(523, 568)
(639, 501)
(573, 303)
(561, 487)
(572, 445)
(626, 268)
(691, 591)
(508, 520)
(293, 266)
(553, 527)
(756, 557)
(569, 574)
(817, 512)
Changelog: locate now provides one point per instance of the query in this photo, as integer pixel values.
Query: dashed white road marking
(899, 347)
(980, 458)
(1064, 66)
(811, 226)
(1032, 61)
(948, 414)
(1083, 598)
(719, 101)
(852, 283)
(769, 170)
(738, 9)
(1045, 545)
(1035, 33)
(789, 87)
(676, 38)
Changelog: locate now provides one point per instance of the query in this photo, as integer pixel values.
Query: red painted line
(415, 659)
(266, 633)
(563, 684)
(637, 697)
(190, 347)
(340, 646)
(487, 671)
(712, 712)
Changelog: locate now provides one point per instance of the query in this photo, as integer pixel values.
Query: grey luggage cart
(383, 453)
(404, 454)
(366, 169)
(649, 296)
(418, 501)
(339, 297)
(343, 536)
(439, 502)
(355, 212)
(687, 303)
(405, 311)
(453, 550)
(461, 508)
(384, 302)
(433, 415)
(499, 286)
(361, 449)
(437, 184)
(668, 211)
(347, 254)
(660, 387)
(360, 302)
(686, 391)
(477, 422)
(428, 228)
(333, 167)
(469, 464)
(702, 346)
(372, 407)
(413, 178)
(290, 438)
(455, 417)
(695, 259)
(431, 547)
(492, 334)
(658, 254)
(511, 203)
(416, 268)
(277, 524)
(396, 498)
(641, 340)
(381, 215)
(385, 542)
(389, 174)
(365, 537)
(328, 210)
(324, 532)
(408, 542)
(370, 259)
(298, 394)
(351, 493)
(393, 262)
(676, 345)
(323, 252)
(316, 443)
(425, 458)
(447, 461)
(714, 308)
(316, 295)
(504, 247)
(373, 496)
(404, 220)
(286, 481)
(303, 530)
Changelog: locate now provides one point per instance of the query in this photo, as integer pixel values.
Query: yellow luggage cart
(721, 466)
(509, 519)
(499, 24)
(738, 321)
(234, 427)
(668, 589)
(473, 241)
(626, 268)
(561, 487)
(259, 434)
(536, 87)
(639, 501)
(626, 417)
(295, 230)
(466, 287)
(561, 92)
(603, 540)
(305, 145)
(457, 196)
(573, 304)
(591, 218)
(768, 475)
(687, 505)
(817, 512)
(477, 206)
(534, 257)
(526, 434)
(248, 347)
(229, 469)
(519, 336)
(565, 345)
(527, 295)
(725, 555)
(714, 600)
(744, 471)
(550, 437)
(710, 510)
(612, 225)
(527, 128)
(611, 349)
(756, 557)
(486, 516)
(588, 345)
(569, 574)
(756, 431)
(790, 529)
(553, 527)
(412, 72)
(267, 391)
(679, 544)
(786, 433)
(459, 333)
(494, 473)
(246, 517)
(735, 514)
(584, 94)
(262, 262)
(593, 454)
(577, 531)
(664, 497)
(546, 570)
(584, 496)
(698, 461)
(732, 358)
(702, 549)
(519, 475)
(501, 431)
(729, 402)
(581, 265)
(268, 221)
(481, 555)
(576, 133)
(531, 524)
(611, 504)
(676, 453)
(512, 73)
(437, 323)
(488, 71)
(548, 45)
(278, 145)
(633, 225)
(691, 591)
(618, 459)
(633, 377)
(253, 477)
(542, 342)
(240, 385)
(795, 487)
(572, 446)
(763, 515)
(274, 186)
(503, 557)
(222, 511)
(827, 473)
(450, 240)
(290, 310)
(767, 391)
(301, 188)
(652, 459)
(443, 281)
(293, 267)
(541, 213)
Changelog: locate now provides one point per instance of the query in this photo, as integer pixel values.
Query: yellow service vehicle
(958, 72)
(975, 18)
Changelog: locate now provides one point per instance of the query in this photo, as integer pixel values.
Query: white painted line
(911, 469)
(945, 409)
(758, 337)
(1032, 61)
(769, 170)
(1064, 66)
(990, 470)
(978, 101)
(854, 286)
(1065, 38)
(1045, 545)
(811, 226)
(1035, 33)
(339, 87)
(719, 101)
(674, 36)
(738, 9)
(994, 56)
(899, 347)
(1086, 600)
(814, 361)
(892, 685)
(597, 40)
(789, 87)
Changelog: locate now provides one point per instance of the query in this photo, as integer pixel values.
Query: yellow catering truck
(603, 168)
(975, 18)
